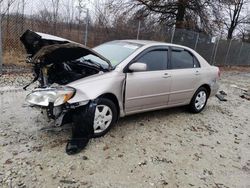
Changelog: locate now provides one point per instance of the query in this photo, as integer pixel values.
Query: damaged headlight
(56, 95)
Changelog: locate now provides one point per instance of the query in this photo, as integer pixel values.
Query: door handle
(197, 73)
(166, 75)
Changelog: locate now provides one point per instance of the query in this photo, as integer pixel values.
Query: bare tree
(6, 11)
(243, 31)
(23, 4)
(55, 14)
(234, 15)
(44, 18)
(5, 6)
(193, 14)
(80, 7)
(69, 14)
(103, 18)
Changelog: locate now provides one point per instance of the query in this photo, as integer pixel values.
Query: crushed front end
(57, 62)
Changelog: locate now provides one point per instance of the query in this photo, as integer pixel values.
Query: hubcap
(103, 118)
(200, 100)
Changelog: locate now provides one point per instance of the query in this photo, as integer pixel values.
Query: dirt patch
(14, 58)
(235, 68)
(167, 148)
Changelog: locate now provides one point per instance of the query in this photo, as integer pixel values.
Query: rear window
(182, 59)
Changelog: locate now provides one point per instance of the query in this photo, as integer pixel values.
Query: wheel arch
(207, 87)
(114, 99)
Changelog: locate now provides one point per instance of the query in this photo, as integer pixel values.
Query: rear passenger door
(185, 72)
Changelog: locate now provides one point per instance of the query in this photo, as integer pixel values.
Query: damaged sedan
(97, 86)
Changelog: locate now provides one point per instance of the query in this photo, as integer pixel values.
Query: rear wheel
(105, 117)
(199, 100)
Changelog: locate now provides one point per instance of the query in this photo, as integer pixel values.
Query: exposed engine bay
(60, 61)
(65, 72)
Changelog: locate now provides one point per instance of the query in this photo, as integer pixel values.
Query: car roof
(151, 43)
(141, 42)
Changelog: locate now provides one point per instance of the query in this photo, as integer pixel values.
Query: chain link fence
(84, 32)
(215, 50)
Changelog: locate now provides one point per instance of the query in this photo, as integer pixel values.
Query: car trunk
(58, 60)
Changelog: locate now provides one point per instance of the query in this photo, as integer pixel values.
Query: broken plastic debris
(221, 97)
(223, 92)
(247, 97)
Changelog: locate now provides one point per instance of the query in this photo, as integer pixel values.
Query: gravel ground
(168, 148)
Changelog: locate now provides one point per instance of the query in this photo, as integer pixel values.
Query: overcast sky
(33, 6)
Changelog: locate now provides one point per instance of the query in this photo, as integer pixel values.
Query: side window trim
(198, 63)
(181, 49)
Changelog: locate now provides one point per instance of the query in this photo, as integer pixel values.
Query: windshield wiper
(95, 63)
(92, 63)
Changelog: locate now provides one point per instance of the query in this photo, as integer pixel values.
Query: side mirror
(138, 67)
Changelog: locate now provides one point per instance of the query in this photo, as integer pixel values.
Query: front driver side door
(148, 89)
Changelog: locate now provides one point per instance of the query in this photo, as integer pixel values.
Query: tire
(199, 100)
(102, 121)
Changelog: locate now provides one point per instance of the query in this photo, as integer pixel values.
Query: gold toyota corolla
(122, 77)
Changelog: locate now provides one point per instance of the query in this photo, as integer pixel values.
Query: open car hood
(49, 49)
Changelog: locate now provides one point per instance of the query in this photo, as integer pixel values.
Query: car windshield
(115, 52)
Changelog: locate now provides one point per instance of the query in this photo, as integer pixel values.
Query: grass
(14, 58)
(235, 68)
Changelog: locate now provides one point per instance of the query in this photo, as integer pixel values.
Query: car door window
(155, 60)
(182, 59)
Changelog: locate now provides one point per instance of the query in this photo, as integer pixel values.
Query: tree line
(118, 19)
(229, 18)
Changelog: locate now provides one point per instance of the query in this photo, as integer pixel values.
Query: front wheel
(199, 100)
(105, 117)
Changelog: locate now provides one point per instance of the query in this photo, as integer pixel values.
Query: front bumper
(45, 100)
(58, 113)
